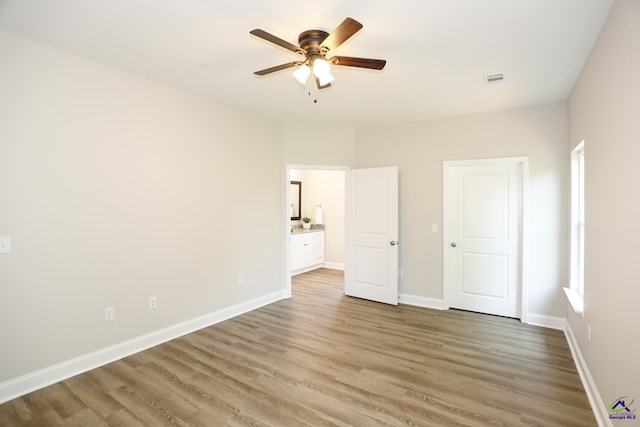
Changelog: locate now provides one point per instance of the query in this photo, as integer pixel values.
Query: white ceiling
(437, 51)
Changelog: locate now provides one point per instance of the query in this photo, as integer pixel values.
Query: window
(575, 292)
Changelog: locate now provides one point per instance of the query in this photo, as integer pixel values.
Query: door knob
(453, 244)
(392, 243)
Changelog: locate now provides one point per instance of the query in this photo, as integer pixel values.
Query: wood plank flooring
(324, 359)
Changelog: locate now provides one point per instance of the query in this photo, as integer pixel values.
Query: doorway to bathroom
(322, 200)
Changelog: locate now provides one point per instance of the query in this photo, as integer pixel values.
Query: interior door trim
(446, 238)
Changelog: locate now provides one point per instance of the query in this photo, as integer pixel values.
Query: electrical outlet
(153, 302)
(401, 273)
(241, 280)
(109, 314)
(589, 334)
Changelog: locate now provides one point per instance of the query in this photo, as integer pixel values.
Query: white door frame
(524, 241)
(286, 289)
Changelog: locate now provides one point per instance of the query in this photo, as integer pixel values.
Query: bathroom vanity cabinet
(307, 251)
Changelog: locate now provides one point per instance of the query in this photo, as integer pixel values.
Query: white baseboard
(22, 385)
(418, 301)
(306, 269)
(334, 265)
(545, 321)
(597, 406)
(438, 304)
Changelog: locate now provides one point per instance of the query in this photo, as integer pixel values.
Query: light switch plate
(5, 245)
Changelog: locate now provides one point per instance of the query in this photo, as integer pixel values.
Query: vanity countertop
(314, 229)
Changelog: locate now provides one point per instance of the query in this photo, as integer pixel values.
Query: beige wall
(113, 189)
(605, 111)
(419, 148)
(314, 144)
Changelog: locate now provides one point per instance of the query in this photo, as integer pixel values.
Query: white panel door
(371, 234)
(484, 228)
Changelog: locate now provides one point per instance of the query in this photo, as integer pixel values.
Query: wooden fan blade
(277, 41)
(277, 68)
(349, 61)
(341, 34)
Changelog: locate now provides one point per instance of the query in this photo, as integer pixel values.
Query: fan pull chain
(312, 92)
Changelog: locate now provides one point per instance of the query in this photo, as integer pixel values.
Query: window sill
(575, 299)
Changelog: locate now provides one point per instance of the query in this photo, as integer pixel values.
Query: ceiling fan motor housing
(310, 41)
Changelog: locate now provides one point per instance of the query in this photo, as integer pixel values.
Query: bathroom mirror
(295, 196)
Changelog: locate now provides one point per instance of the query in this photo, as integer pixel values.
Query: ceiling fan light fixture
(325, 79)
(322, 71)
(302, 74)
(321, 68)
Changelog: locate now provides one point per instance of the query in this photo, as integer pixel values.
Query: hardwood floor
(325, 359)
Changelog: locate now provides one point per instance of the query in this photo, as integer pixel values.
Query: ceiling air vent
(493, 78)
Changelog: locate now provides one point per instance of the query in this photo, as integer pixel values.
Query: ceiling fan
(317, 47)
